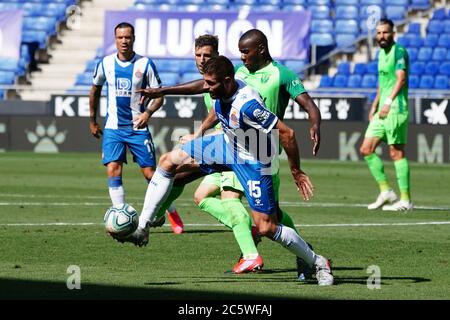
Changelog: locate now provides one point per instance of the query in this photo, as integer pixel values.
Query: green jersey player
(389, 121)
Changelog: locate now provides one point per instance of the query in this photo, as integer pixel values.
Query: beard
(384, 44)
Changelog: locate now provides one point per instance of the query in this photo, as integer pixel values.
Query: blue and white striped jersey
(247, 123)
(123, 79)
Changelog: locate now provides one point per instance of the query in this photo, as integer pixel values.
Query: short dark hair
(386, 21)
(219, 66)
(124, 25)
(207, 40)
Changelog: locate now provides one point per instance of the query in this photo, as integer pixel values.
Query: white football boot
(400, 205)
(324, 275)
(383, 198)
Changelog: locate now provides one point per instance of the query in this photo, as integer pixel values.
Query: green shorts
(226, 179)
(392, 130)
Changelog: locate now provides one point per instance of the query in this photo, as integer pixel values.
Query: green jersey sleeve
(401, 59)
(290, 81)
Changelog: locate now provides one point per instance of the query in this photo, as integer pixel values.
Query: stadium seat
(346, 2)
(349, 26)
(439, 54)
(346, 42)
(325, 81)
(435, 26)
(444, 68)
(321, 39)
(249, 2)
(420, 4)
(346, 12)
(403, 3)
(372, 67)
(292, 7)
(354, 81)
(318, 2)
(9, 64)
(33, 36)
(403, 41)
(447, 26)
(431, 40)
(169, 78)
(426, 82)
(343, 68)
(187, 65)
(425, 54)
(413, 52)
(223, 2)
(360, 68)
(441, 82)
(84, 79)
(369, 81)
(431, 68)
(395, 13)
(414, 28)
(417, 67)
(439, 14)
(444, 41)
(167, 65)
(414, 40)
(271, 2)
(370, 2)
(293, 2)
(322, 26)
(413, 81)
(295, 65)
(340, 81)
(190, 76)
(320, 12)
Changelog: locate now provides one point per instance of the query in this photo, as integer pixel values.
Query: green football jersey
(275, 83)
(208, 103)
(388, 63)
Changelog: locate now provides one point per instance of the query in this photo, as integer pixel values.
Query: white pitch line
(186, 204)
(339, 225)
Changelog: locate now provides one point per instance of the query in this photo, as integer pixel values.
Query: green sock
(402, 172)
(286, 220)
(242, 227)
(215, 208)
(376, 168)
(174, 193)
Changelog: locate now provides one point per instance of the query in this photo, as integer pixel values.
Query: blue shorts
(214, 155)
(140, 143)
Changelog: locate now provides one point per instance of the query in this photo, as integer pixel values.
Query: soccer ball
(121, 220)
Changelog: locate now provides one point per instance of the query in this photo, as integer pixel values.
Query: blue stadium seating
(321, 39)
(441, 82)
(169, 78)
(319, 12)
(426, 82)
(395, 13)
(322, 26)
(325, 81)
(340, 81)
(345, 42)
(439, 14)
(346, 12)
(190, 76)
(344, 68)
(7, 77)
(9, 64)
(414, 28)
(187, 65)
(372, 67)
(360, 68)
(417, 68)
(431, 40)
(425, 54)
(444, 68)
(414, 40)
(295, 65)
(370, 2)
(84, 79)
(413, 81)
(413, 52)
(346, 2)
(346, 26)
(444, 41)
(369, 81)
(435, 26)
(354, 81)
(420, 4)
(432, 68)
(439, 54)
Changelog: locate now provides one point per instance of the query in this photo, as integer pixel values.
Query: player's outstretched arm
(209, 122)
(153, 106)
(307, 104)
(289, 143)
(188, 88)
(94, 101)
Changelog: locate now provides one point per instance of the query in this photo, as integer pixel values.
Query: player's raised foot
(304, 271)
(248, 265)
(175, 222)
(384, 197)
(400, 205)
(139, 237)
(158, 222)
(324, 275)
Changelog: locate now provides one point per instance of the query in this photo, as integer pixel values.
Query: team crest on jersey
(123, 87)
(234, 121)
(138, 74)
(265, 78)
(261, 115)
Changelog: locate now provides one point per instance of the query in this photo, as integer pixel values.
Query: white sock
(289, 239)
(116, 190)
(157, 191)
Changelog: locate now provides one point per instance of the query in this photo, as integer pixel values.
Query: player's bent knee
(198, 197)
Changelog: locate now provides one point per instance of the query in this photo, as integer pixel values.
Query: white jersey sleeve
(99, 77)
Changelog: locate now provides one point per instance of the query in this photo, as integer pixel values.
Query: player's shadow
(198, 231)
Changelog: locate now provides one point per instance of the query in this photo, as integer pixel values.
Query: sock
(287, 221)
(402, 172)
(376, 168)
(242, 227)
(174, 194)
(157, 191)
(215, 208)
(172, 208)
(294, 243)
(116, 190)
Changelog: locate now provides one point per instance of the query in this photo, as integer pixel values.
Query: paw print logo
(185, 107)
(46, 139)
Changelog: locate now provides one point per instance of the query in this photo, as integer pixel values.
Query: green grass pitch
(52, 206)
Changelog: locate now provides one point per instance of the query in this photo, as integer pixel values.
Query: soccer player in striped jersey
(388, 118)
(242, 114)
(124, 73)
